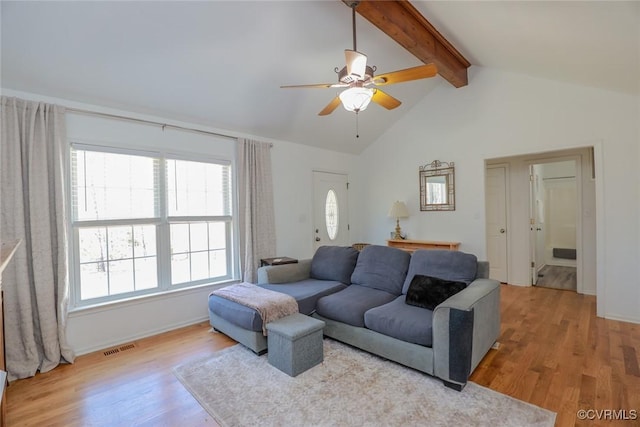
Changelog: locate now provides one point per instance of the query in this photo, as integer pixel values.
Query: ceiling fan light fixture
(356, 98)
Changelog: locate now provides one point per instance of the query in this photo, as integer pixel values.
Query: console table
(277, 261)
(412, 245)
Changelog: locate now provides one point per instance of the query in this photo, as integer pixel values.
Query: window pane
(199, 265)
(199, 251)
(94, 280)
(146, 273)
(113, 186)
(179, 238)
(121, 277)
(180, 269)
(116, 260)
(217, 235)
(199, 236)
(218, 262)
(144, 240)
(93, 244)
(198, 189)
(120, 242)
(331, 214)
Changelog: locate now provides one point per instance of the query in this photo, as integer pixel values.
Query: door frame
(577, 158)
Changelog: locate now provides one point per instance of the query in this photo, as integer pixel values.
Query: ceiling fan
(357, 76)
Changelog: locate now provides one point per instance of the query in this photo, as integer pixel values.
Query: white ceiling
(220, 63)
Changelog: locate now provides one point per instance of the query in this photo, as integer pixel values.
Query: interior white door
(533, 224)
(496, 202)
(536, 215)
(330, 211)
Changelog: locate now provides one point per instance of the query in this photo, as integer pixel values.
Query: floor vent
(111, 352)
(119, 349)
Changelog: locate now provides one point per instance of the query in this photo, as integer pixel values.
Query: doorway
(530, 238)
(553, 232)
(330, 209)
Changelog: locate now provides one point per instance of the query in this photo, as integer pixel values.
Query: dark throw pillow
(428, 292)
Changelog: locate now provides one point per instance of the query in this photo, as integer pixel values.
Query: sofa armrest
(465, 327)
(285, 273)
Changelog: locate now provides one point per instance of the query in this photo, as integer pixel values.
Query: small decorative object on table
(277, 261)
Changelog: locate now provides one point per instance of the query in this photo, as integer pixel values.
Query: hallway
(556, 277)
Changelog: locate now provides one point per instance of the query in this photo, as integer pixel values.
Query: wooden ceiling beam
(401, 21)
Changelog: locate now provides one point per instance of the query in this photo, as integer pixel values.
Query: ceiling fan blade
(356, 63)
(320, 85)
(385, 100)
(415, 73)
(330, 107)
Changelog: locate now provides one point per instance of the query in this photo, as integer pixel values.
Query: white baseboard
(140, 335)
(622, 319)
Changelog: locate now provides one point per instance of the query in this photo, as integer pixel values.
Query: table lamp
(398, 210)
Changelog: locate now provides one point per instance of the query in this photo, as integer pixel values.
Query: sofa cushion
(447, 265)
(307, 292)
(428, 292)
(238, 314)
(381, 267)
(404, 322)
(349, 305)
(334, 263)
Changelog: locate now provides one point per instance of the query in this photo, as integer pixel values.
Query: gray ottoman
(295, 343)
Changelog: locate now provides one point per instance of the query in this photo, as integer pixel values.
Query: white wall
(503, 114)
(101, 327)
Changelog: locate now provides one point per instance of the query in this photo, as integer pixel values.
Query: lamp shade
(356, 98)
(399, 210)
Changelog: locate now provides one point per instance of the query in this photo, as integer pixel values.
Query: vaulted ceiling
(221, 63)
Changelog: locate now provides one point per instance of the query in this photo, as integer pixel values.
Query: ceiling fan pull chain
(357, 125)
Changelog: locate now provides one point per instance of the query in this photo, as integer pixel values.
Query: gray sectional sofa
(362, 298)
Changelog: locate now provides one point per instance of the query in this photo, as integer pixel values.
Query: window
(331, 214)
(145, 223)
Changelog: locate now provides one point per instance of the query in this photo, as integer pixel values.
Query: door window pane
(331, 214)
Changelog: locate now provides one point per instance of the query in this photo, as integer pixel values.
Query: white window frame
(161, 221)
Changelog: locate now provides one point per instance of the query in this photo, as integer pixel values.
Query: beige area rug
(350, 388)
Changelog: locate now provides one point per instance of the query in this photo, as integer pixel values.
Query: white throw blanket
(270, 305)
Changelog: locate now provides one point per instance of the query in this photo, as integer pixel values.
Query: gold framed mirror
(437, 186)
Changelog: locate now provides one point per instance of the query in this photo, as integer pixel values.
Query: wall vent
(117, 350)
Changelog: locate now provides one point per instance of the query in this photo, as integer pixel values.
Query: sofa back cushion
(446, 265)
(381, 267)
(334, 263)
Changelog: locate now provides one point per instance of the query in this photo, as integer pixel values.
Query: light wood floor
(558, 277)
(554, 353)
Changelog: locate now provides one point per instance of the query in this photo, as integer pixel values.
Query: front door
(330, 211)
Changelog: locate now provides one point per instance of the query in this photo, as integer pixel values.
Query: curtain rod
(149, 122)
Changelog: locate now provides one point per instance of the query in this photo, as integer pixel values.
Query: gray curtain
(32, 188)
(256, 214)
